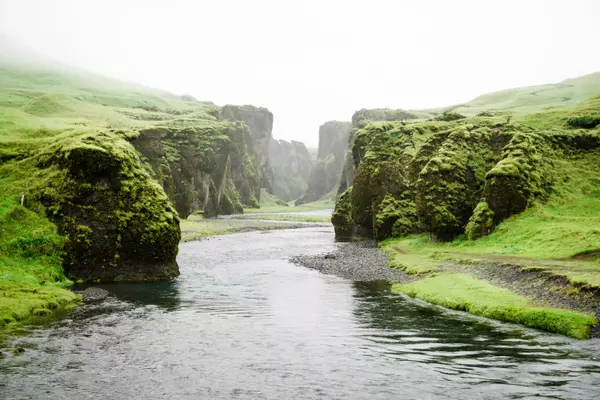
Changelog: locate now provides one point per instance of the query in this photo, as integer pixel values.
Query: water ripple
(243, 323)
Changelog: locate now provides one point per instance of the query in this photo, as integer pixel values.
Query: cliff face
(360, 119)
(260, 122)
(109, 174)
(450, 177)
(333, 144)
(117, 223)
(212, 165)
(292, 165)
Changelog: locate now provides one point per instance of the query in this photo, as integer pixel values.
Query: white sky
(313, 61)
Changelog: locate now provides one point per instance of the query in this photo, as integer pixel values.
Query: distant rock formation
(260, 122)
(292, 166)
(333, 143)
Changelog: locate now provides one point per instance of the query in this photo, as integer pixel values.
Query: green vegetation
(314, 206)
(466, 293)
(196, 228)
(476, 195)
(83, 154)
(526, 100)
(272, 204)
(31, 277)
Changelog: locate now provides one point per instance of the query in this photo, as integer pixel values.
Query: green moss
(395, 218)
(481, 222)
(466, 293)
(342, 216)
(520, 177)
(584, 121)
(31, 276)
(449, 115)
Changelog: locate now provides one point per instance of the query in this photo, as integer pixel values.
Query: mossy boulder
(481, 222)
(342, 216)
(118, 223)
(382, 170)
(450, 184)
(449, 115)
(520, 177)
(395, 218)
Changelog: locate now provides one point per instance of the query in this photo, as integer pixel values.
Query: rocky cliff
(116, 221)
(113, 166)
(292, 166)
(359, 120)
(451, 177)
(333, 144)
(260, 122)
(209, 166)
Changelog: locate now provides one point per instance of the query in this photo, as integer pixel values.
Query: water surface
(243, 323)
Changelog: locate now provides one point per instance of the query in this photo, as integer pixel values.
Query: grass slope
(31, 277)
(466, 293)
(533, 98)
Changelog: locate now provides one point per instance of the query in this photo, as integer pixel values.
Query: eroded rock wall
(292, 166)
(360, 119)
(260, 122)
(333, 143)
(448, 177)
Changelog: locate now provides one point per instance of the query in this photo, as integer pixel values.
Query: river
(241, 322)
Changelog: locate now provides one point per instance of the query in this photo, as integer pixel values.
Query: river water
(243, 323)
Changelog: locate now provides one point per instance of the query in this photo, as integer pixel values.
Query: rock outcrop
(116, 221)
(333, 144)
(260, 122)
(448, 177)
(292, 166)
(360, 119)
(209, 166)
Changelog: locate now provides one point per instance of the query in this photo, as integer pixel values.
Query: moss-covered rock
(342, 216)
(203, 165)
(520, 177)
(450, 177)
(451, 183)
(481, 222)
(118, 223)
(260, 122)
(449, 115)
(360, 119)
(395, 218)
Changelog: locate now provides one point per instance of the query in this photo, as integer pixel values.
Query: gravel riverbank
(358, 261)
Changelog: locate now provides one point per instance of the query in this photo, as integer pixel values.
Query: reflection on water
(161, 294)
(242, 322)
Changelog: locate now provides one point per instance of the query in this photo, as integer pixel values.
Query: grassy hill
(532, 98)
(33, 99)
(59, 130)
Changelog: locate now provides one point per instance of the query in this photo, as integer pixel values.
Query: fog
(314, 61)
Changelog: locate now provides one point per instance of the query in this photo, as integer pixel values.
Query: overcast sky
(313, 61)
